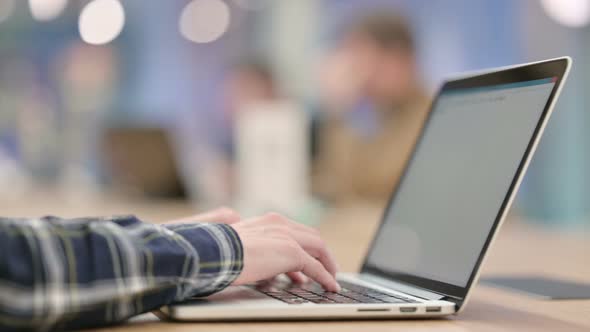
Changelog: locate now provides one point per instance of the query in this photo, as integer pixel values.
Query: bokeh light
(204, 21)
(47, 10)
(570, 13)
(101, 21)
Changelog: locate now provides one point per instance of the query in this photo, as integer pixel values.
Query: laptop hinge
(402, 287)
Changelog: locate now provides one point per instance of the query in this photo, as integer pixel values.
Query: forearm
(87, 272)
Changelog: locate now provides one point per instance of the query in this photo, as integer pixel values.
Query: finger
(271, 279)
(316, 271)
(326, 256)
(307, 237)
(297, 277)
(316, 247)
(221, 215)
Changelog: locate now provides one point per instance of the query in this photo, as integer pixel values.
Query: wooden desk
(520, 250)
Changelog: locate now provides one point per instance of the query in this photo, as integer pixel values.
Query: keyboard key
(385, 297)
(324, 301)
(340, 298)
(314, 293)
(294, 300)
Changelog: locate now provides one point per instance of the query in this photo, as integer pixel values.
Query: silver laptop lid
(462, 177)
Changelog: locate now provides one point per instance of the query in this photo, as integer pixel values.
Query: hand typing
(273, 245)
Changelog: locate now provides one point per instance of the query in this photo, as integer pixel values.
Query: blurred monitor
(142, 160)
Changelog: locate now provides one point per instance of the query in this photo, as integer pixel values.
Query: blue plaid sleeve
(58, 274)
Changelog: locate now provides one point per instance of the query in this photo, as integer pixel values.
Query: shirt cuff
(220, 255)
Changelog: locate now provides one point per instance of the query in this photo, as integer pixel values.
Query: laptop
(441, 220)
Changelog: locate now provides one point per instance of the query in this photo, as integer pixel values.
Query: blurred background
(262, 104)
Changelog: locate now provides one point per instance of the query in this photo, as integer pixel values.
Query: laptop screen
(457, 180)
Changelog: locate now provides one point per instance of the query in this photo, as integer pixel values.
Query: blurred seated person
(373, 109)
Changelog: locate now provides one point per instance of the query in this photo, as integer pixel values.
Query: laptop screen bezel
(555, 68)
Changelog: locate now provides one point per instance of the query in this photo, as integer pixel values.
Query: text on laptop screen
(458, 179)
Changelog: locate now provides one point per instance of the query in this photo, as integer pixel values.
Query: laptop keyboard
(313, 293)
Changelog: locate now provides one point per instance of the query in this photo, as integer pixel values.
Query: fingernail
(338, 288)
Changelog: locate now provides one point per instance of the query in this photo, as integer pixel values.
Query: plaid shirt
(58, 274)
